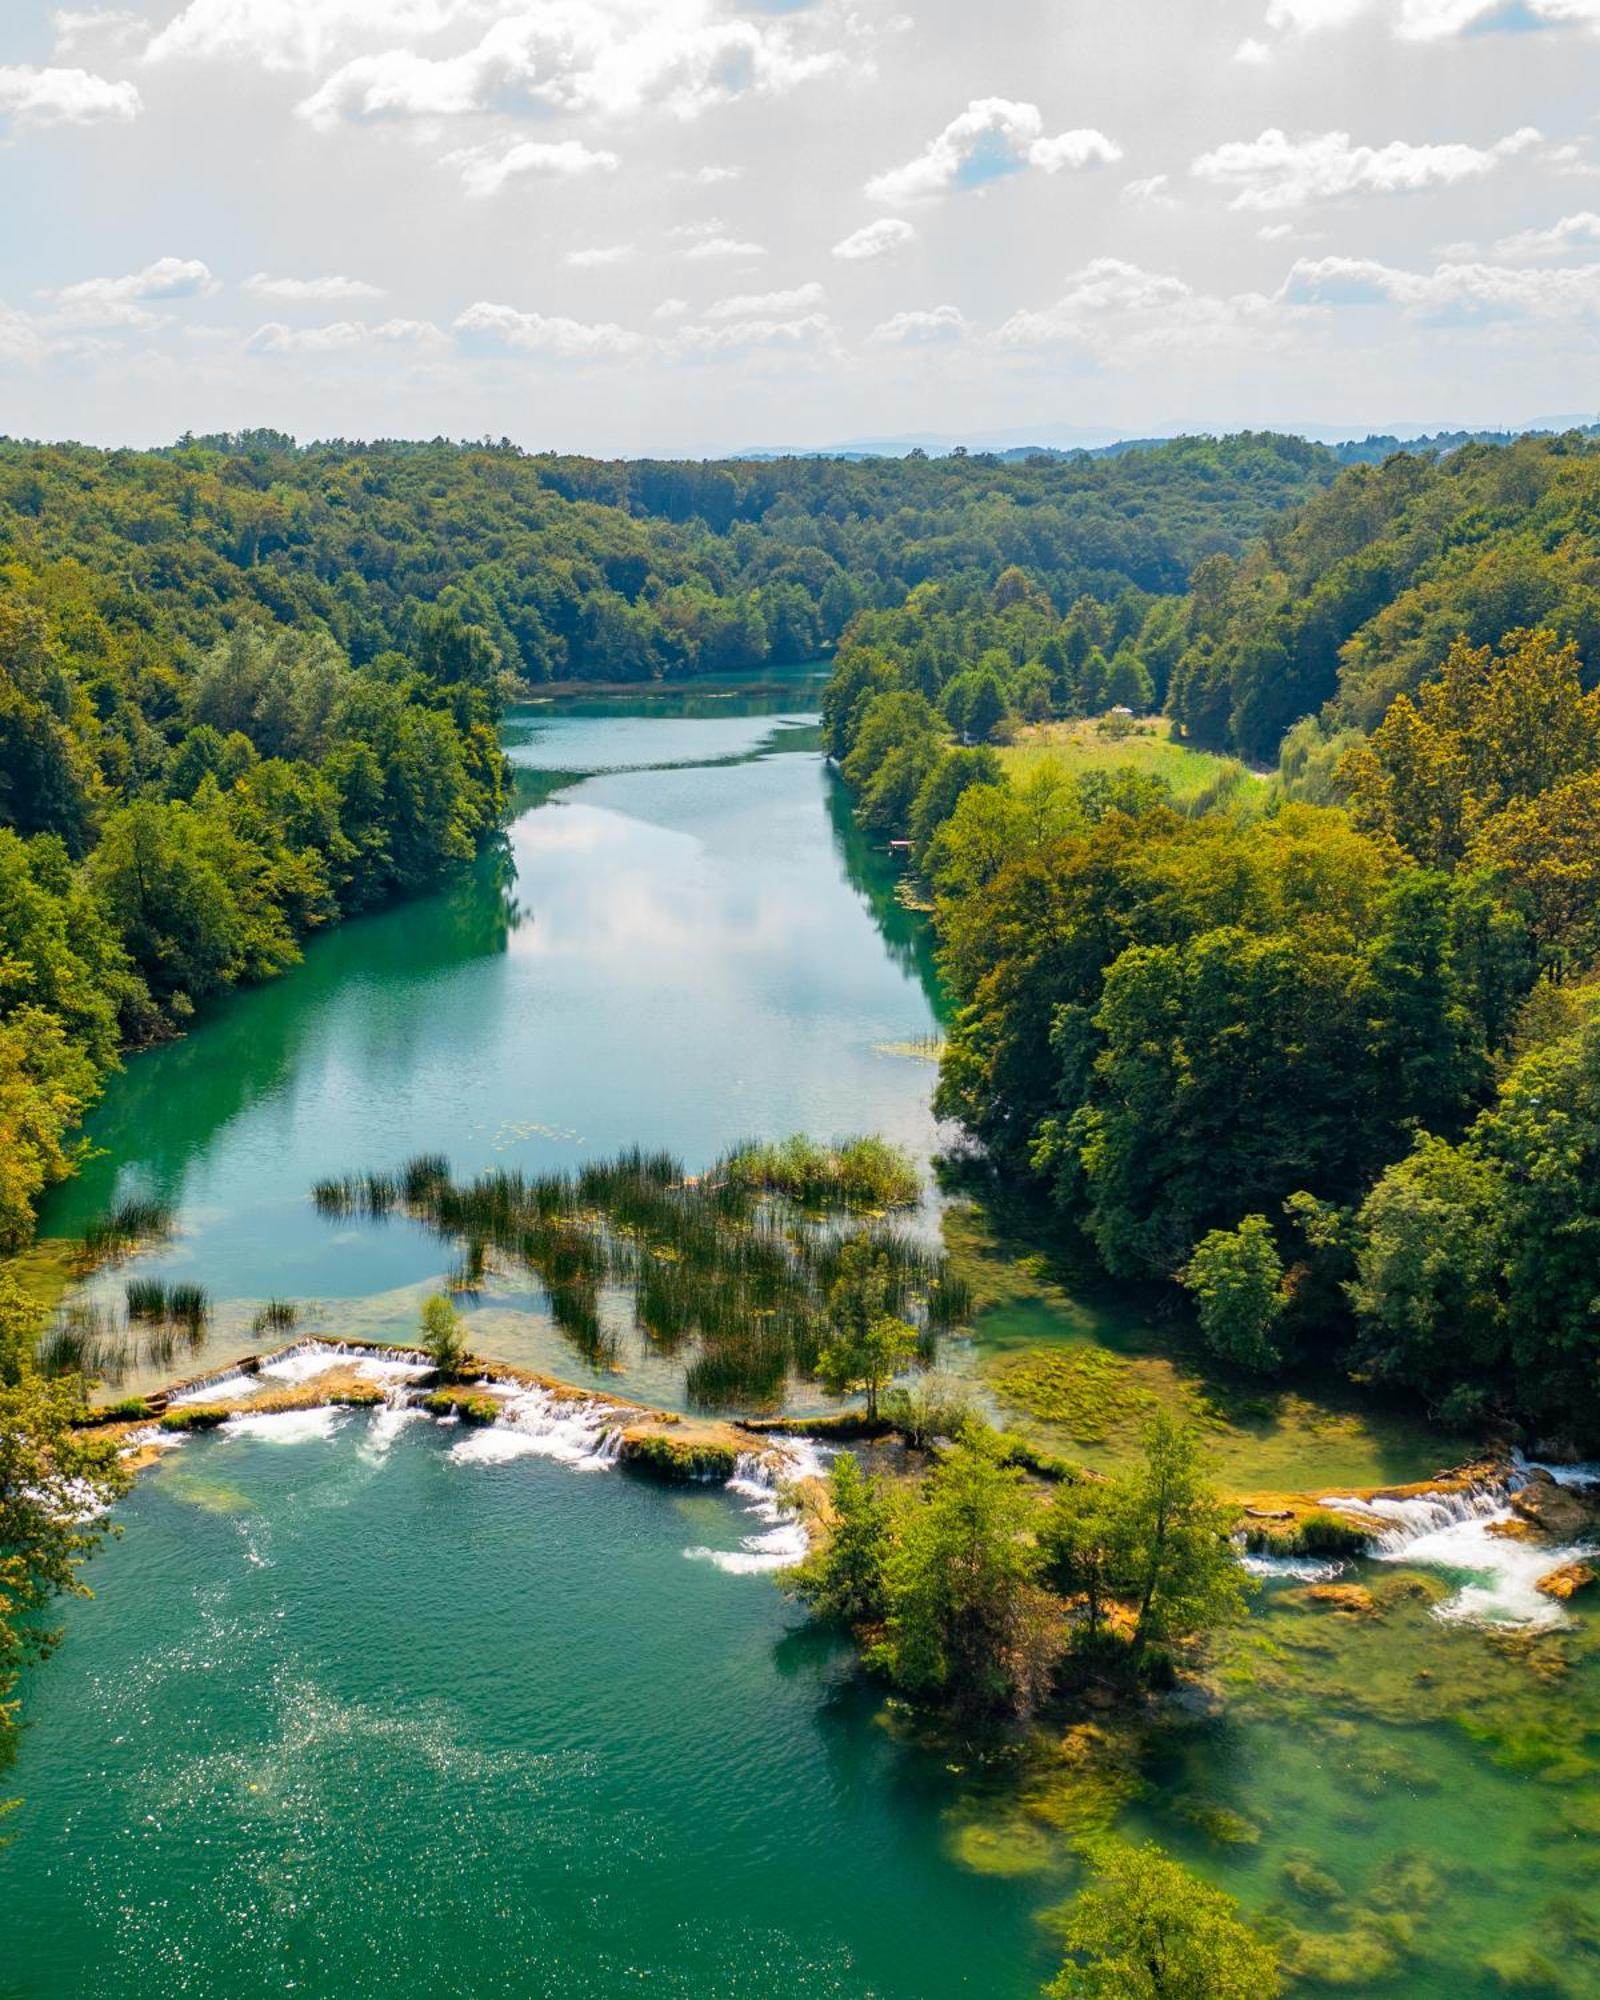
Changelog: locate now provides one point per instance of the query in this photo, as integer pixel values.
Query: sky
(701, 226)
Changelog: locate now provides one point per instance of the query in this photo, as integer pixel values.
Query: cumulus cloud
(598, 255)
(126, 301)
(485, 172)
(485, 328)
(724, 250)
(110, 26)
(876, 239)
(345, 336)
(1155, 191)
(812, 333)
(64, 96)
(767, 305)
(934, 327)
(1450, 291)
(671, 309)
(1252, 51)
(1572, 232)
(291, 34)
(993, 137)
(1433, 20)
(608, 56)
(1117, 311)
(309, 291)
(1277, 172)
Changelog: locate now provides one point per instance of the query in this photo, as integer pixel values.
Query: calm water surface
(352, 1714)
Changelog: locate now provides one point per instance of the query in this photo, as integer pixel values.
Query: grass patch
(1086, 1391)
(1195, 777)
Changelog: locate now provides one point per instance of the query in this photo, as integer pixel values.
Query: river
(358, 1708)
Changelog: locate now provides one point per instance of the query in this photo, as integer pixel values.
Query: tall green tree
(1146, 1929)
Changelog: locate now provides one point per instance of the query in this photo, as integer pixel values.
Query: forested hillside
(1331, 1062)
(247, 689)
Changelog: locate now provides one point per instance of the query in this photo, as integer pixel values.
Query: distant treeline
(1333, 1064)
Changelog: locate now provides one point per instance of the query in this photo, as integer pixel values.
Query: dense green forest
(247, 689)
(1333, 1062)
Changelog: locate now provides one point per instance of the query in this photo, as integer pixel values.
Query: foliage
(860, 1173)
(1236, 1279)
(444, 1338)
(55, 1482)
(969, 1627)
(842, 1580)
(1146, 1929)
(929, 1407)
(867, 1345)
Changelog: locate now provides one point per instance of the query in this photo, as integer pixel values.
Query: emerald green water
(350, 1714)
(350, 1722)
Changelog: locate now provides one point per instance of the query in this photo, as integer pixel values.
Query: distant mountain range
(1067, 440)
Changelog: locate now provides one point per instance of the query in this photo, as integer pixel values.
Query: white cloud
(709, 176)
(811, 333)
(614, 57)
(484, 172)
(1432, 20)
(125, 301)
(1277, 172)
(345, 336)
(112, 26)
(309, 291)
(876, 239)
(1118, 311)
(64, 96)
(1252, 52)
(291, 34)
(993, 137)
(937, 326)
(1275, 232)
(767, 305)
(724, 249)
(1572, 232)
(1456, 291)
(598, 255)
(1155, 190)
(495, 329)
(671, 309)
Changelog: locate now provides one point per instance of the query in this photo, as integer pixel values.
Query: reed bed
(732, 1270)
(134, 1220)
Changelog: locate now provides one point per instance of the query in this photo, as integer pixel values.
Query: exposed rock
(1564, 1582)
(1561, 1512)
(1353, 1600)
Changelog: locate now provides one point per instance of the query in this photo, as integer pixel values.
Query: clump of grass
(147, 1299)
(1317, 1533)
(734, 1269)
(276, 1316)
(194, 1417)
(84, 1340)
(134, 1220)
(1085, 1390)
(859, 1173)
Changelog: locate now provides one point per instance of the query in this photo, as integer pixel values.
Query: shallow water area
(434, 1723)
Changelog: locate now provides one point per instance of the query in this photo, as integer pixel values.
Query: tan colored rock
(1562, 1583)
(1354, 1600)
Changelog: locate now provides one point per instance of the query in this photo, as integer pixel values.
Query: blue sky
(631, 226)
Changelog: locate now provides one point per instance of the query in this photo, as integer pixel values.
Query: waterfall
(1497, 1576)
(582, 1433)
(758, 1479)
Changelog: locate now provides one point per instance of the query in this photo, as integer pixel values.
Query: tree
(19, 1322)
(969, 1627)
(1079, 1539)
(56, 1480)
(842, 1579)
(1170, 1536)
(444, 1339)
(1236, 1278)
(867, 1344)
(1146, 1929)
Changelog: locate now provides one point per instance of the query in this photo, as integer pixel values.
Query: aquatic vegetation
(276, 1316)
(195, 1417)
(857, 1173)
(1088, 1391)
(147, 1299)
(732, 1269)
(134, 1220)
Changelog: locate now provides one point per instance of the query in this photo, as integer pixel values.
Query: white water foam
(1498, 1575)
(287, 1426)
(1563, 1475)
(389, 1419)
(1290, 1569)
(759, 1479)
(308, 1359)
(151, 1438)
(225, 1387)
(534, 1424)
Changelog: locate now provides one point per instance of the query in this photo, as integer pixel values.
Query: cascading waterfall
(759, 1479)
(1497, 1574)
(585, 1434)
